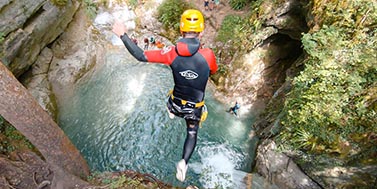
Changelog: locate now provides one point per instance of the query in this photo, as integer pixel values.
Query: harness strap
(184, 102)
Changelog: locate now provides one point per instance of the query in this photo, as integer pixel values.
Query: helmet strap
(190, 34)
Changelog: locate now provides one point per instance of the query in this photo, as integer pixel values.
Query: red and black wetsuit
(191, 67)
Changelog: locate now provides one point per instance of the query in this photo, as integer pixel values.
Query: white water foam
(217, 168)
(105, 20)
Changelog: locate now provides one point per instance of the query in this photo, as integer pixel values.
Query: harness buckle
(183, 102)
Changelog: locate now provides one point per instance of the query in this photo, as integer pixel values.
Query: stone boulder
(280, 169)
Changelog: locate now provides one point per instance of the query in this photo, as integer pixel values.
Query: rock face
(288, 17)
(27, 170)
(75, 52)
(46, 46)
(280, 169)
(261, 68)
(29, 26)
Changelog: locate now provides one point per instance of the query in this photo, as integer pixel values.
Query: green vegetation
(238, 4)
(59, 3)
(126, 179)
(169, 14)
(132, 3)
(238, 35)
(231, 26)
(90, 8)
(332, 107)
(11, 139)
(238, 32)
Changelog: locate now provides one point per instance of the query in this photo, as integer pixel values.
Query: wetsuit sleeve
(211, 59)
(134, 50)
(164, 56)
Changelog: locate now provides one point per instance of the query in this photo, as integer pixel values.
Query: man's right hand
(119, 28)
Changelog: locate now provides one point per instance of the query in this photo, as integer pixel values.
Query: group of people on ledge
(149, 42)
(211, 4)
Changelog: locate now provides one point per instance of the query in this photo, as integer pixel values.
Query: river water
(117, 118)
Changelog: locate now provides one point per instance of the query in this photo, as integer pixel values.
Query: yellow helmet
(192, 21)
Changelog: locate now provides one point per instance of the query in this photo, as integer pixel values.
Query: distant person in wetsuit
(152, 40)
(234, 109)
(191, 67)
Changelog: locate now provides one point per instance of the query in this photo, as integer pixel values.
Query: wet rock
(36, 80)
(279, 169)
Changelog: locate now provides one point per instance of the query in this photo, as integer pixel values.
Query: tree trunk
(20, 109)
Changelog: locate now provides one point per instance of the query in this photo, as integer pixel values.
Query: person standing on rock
(217, 3)
(206, 5)
(191, 67)
(212, 5)
(146, 43)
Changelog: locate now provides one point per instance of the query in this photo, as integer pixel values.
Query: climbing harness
(187, 111)
(184, 102)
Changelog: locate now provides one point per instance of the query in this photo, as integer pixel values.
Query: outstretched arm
(120, 30)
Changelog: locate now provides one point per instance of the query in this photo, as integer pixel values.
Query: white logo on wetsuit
(166, 50)
(188, 74)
